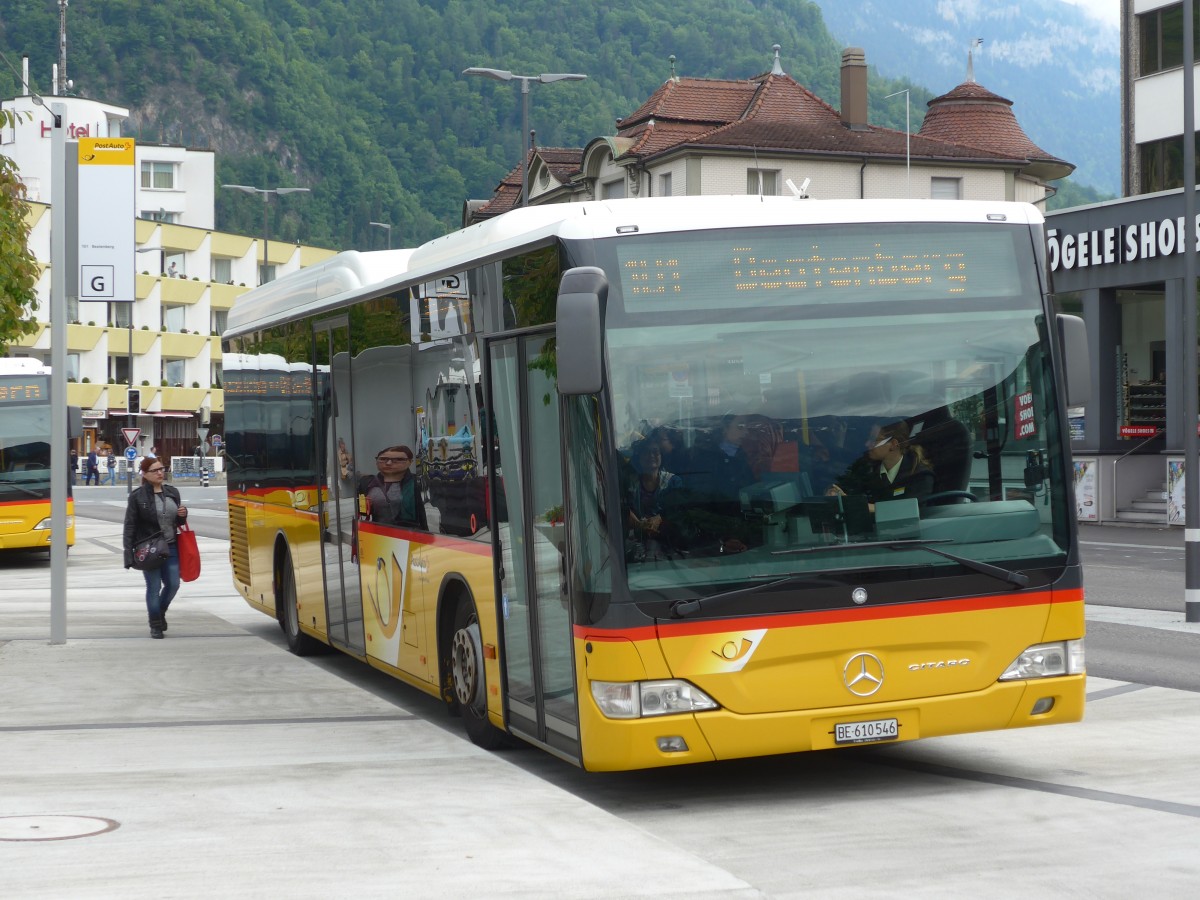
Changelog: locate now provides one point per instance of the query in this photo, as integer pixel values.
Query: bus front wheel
(286, 602)
(466, 670)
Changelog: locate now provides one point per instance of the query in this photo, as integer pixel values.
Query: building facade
(697, 136)
(165, 341)
(1120, 265)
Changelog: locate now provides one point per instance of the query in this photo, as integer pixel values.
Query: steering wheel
(945, 498)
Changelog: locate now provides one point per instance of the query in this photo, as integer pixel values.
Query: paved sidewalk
(213, 763)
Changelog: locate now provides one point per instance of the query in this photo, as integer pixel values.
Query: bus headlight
(1046, 661)
(44, 525)
(638, 699)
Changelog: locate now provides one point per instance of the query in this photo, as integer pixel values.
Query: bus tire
(289, 616)
(467, 676)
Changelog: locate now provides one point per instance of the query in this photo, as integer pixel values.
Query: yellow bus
(25, 456)
(631, 533)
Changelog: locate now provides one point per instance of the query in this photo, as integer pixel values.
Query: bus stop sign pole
(60, 265)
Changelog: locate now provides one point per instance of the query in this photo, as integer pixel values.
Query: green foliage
(365, 102)
(18, 269)
(1069, 194)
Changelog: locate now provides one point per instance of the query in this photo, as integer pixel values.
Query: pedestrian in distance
(74, 465)
(92, 468)
(153, 508)
(112, 466)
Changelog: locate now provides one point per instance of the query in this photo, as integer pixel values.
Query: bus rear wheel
(467, 676)
(286, 601)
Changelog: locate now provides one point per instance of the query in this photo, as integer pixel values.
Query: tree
(18, 268)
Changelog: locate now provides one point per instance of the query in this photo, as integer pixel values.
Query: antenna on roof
(975, 44)
(777, 66)
(63, 82)
(671, 60)
(798, 193)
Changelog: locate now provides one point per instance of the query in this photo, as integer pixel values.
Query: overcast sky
(1107, 11)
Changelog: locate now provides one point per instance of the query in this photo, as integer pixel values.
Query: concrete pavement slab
(225, 766)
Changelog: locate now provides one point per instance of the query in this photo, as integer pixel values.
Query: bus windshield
(779, 394)
(24, 433)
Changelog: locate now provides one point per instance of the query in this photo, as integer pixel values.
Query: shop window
(1142, 363)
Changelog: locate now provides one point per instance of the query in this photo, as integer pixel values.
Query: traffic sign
(131, 453)
(131, 435)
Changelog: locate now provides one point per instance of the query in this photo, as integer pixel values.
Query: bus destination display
(17, 389)
(811, 266)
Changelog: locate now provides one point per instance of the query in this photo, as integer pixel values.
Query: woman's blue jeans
(162, 584)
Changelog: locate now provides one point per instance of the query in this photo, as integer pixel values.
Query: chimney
(854, 88)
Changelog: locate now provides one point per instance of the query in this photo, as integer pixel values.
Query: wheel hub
(465, 656)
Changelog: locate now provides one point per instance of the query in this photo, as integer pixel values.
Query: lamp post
(544, 78)
(266, 195)
(386, 227)
(129, 419)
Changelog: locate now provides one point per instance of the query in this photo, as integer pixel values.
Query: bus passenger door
(338, 498)
(530, 545)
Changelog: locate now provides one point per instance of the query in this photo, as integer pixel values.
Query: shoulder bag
(151, 553)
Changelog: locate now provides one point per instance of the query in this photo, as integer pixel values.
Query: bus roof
(342, 279)
(23, 365)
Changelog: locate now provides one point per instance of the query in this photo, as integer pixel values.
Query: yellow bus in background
(625, 421)
(25, 457)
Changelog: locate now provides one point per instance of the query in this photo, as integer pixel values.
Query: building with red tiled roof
(712, 136)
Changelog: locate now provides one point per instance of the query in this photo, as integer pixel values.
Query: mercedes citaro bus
(630, 428)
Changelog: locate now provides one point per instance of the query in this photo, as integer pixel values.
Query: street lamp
(387, 227)
(266, 195)
(130, 421)
(544, 78)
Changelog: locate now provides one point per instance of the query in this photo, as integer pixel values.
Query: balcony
(181, 398)
(176, 291)
(183, 346)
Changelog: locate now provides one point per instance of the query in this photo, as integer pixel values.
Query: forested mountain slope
(363, 101)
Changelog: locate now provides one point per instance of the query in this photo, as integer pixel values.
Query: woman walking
(155, 507)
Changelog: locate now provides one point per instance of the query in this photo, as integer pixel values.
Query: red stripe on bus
(479, 548)
(685, 628)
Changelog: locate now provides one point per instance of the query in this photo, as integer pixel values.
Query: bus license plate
(862, 732)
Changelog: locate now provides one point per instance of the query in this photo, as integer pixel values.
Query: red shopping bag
(189, 553)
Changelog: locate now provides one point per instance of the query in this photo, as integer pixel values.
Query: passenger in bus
(725, 467)
(650, 535)
(393, 495)
(892, 468)
(710, 520)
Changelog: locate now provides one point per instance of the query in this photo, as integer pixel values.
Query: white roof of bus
(342, 279)
(22, 365)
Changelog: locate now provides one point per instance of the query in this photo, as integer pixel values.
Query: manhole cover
(52, 828)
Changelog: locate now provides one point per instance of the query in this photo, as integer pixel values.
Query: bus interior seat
(948, 447)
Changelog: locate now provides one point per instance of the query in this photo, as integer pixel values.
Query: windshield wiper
(1012, 576)
(681, 609)
(22, 488)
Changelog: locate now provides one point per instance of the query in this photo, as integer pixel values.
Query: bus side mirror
(582, 296)
(74, 422)
(1072, 340)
